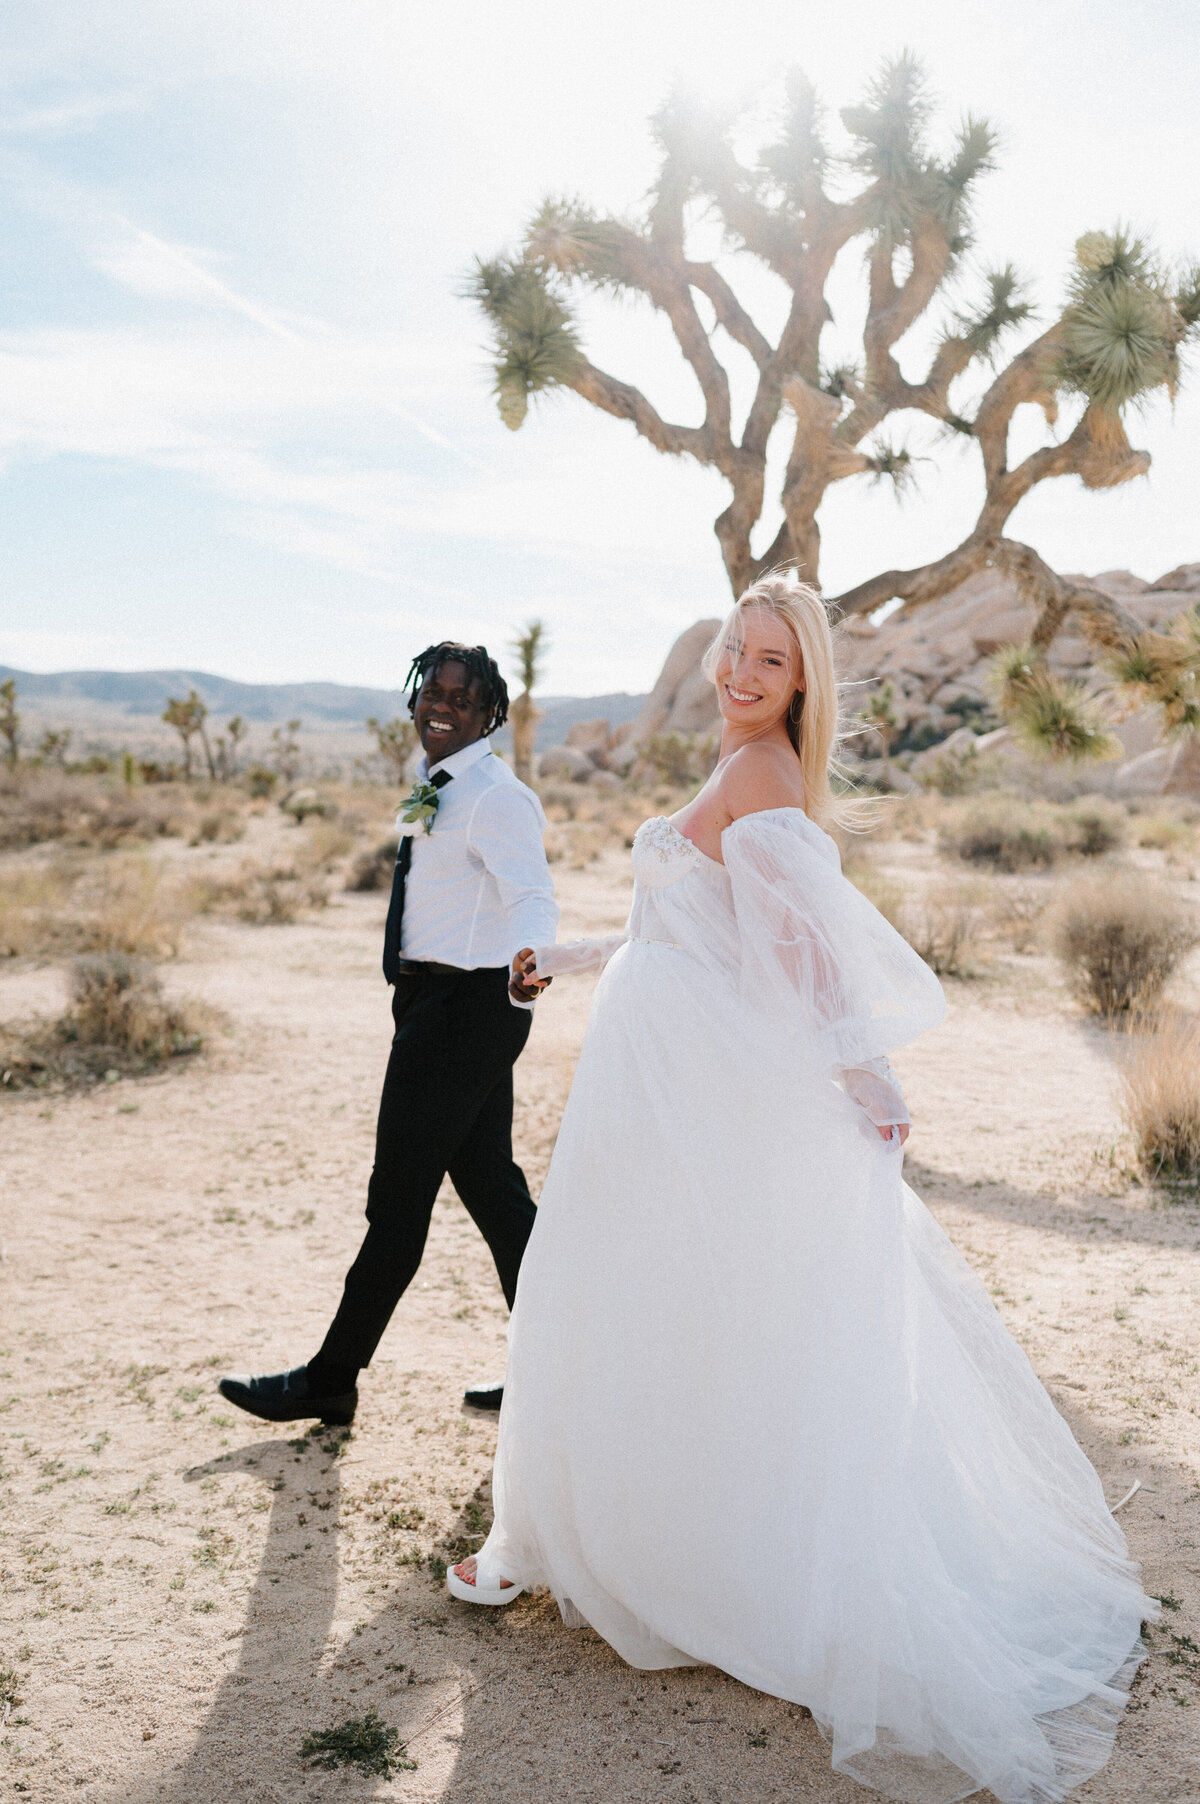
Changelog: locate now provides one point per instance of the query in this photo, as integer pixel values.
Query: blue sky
(244, 414)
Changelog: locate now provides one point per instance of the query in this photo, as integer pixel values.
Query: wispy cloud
(65, 118)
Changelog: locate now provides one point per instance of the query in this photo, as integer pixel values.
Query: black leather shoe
(285, 1397)
(487, 1396)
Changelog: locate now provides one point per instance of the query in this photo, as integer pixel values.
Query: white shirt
(478, 887)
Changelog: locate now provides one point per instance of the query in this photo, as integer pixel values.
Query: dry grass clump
(1012, 835)
(372, 869)
(1120, 939)
(944, 928)
(118, 1021)
(218, 827)
(1018, 912)
(1160, 1094)
(328, 843)
(118, 904)
(1164, 833)
(1006, 835)
(36, 806)
(265, 894)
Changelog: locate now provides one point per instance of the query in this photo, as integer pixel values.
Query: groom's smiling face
(450, 711)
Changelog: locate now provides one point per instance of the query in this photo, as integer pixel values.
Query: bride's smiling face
(759, 670)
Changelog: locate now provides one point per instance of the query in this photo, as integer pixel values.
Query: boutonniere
(418, 810)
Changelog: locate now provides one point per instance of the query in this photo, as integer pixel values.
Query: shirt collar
(458, 762)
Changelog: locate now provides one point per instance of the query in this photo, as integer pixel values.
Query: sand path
(185, 1598)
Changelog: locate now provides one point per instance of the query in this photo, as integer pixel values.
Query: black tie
(395, 914)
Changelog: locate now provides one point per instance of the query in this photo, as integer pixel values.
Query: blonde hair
(813, 717)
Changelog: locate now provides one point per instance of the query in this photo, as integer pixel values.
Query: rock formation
(937, 659)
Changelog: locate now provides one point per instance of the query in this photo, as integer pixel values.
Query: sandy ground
(185, 1598)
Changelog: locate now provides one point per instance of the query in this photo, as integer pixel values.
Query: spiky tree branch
(1116, 338)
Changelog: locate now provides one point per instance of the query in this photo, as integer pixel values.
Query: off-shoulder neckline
(754, 815)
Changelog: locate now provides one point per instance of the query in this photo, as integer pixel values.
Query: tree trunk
(523, 717)
(212, 769)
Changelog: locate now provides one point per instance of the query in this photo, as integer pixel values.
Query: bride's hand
(885, 1133)
(524, 985)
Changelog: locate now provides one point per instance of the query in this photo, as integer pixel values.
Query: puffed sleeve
(818, 959)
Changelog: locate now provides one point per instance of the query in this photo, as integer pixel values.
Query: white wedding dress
(759, 1413)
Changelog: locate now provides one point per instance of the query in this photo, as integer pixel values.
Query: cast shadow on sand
(509, 1704)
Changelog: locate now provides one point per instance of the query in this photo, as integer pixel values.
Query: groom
(471, 887)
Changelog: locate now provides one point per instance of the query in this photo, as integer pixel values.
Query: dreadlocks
(479, 665)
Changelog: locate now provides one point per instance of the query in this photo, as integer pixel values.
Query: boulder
(683, 700)
(603, 779)
(936, 653)
(1183, 777)
(591, 737)
(564, 764)
(1144, 776)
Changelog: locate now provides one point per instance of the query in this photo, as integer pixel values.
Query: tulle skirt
(760, 1414)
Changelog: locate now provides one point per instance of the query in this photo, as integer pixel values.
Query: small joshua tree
(396, 740)
(187, 718)
(880, 717)
(10, 721)
(235, 732)
(54, 745)
(285, 750)
(529, 648)
(1114, 340)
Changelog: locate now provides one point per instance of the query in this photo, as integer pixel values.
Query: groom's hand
(523, 985)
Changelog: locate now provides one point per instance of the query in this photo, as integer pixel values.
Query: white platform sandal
(487, 1588)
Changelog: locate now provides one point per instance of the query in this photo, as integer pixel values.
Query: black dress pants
(446, 1108)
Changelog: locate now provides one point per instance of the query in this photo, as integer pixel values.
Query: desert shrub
(680, 759)
(371, 870)
(944, 928)
(217, 827)
(303, 803)
(956, 772)
(117, 1001)
(113, 904)
(264, 894)
(1018, 911)
(1120, 939)
(118, 1021)
(1008, 835)
(1093, 827)
(1160, 1094)
(328, 842)
(260, 781)
(1164, 833)
(575, 843)
(44, 805)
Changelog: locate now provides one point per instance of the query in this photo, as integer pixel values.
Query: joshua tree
(1114, 339)
(880, 717)
(53, 746)
(285, 750)
(10, 721)
(396, 740)
(235, 732)
(529, 648)
(187, 718)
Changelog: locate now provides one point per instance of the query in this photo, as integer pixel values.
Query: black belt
(428, 967)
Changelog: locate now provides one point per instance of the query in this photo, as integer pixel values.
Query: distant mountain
(143, 693)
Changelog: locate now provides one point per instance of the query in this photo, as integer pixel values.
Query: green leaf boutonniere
(418, 810)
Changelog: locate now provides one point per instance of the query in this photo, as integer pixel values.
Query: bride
(809, 1452)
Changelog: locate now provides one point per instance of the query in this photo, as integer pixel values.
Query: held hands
(524, 985)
